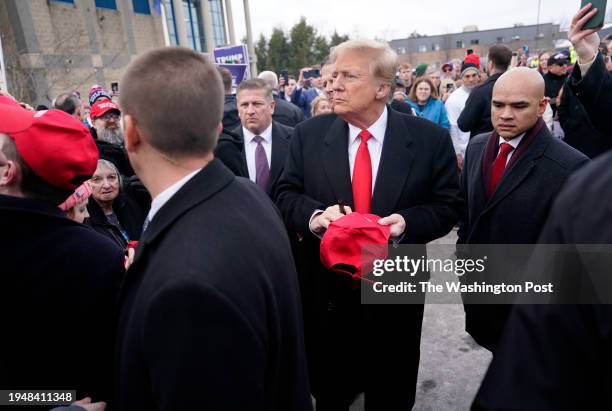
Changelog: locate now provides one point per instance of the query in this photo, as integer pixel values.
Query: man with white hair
(284, 112)
(369, 159)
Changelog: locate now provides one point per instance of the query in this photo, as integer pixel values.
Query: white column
(230, 22)
(252, 55)
(181, 27)
(207, 23)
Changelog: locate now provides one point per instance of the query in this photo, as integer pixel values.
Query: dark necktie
(262, 169)
(362, 175)
(499, 165)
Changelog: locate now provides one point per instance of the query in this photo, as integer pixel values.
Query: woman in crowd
(320, 105)
(112, 213)
(543, 61)
(424, 101)
(75, 206)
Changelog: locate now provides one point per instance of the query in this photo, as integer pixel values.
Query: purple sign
(239, 72)
(231, 55)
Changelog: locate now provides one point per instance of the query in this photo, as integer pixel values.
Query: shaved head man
(515, 110)
(509, 181)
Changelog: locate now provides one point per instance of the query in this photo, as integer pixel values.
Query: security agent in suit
(557, 357)
(199, 327)
(413, 185)
(509, 181)
(284, 112)
(240, 150)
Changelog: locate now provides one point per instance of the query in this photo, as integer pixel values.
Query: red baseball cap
(14, 117)
(343, 245)
(472, 58)
(101, 107)
(58, 148)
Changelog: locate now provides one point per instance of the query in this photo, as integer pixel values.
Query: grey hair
(270, 78)
(112, 166)
(382, 64)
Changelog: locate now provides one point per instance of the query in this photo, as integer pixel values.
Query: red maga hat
(101, 107)
(58, 148)
(472, 58)
(13, 117)
(343, 247)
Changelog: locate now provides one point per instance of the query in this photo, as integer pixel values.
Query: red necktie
(362, 176)
(499, 165)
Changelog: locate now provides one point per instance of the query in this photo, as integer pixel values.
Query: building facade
(51, 47)
(438, 49)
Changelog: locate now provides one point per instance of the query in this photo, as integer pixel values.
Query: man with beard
(455, 105)
(105, 116)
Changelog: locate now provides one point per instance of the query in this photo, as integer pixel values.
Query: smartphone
(598, 20)
(312, 73)
(449, 87)
(285, 75)
(115, 87)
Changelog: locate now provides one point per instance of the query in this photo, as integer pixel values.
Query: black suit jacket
(200, 328)
(476, 115)
(418, 179)
(231, 120)
(514, 214)
(60, 283)
(230, 150)
(593, 91)
(287, 113)
(518, 208)
(557, 357)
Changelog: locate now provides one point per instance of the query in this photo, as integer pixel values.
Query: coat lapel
(336, 163)
(243, 162)
(519, 171)
(280, 146)
(394, 167)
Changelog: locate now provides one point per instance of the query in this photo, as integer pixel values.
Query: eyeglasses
(108, 116)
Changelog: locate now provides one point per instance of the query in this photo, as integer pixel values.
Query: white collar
(514, 142)
(163, 197)
(266, 135)
(377, 129)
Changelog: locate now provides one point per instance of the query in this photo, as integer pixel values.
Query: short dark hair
(501, 56)
(226, 77)
(67, 102)
(33, 186)
(256, 84)
(175, 96)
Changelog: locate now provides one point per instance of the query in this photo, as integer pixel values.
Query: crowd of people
(164, 251)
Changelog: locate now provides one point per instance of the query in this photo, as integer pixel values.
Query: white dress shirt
(514, 143)
(250, 146)
(163, 197)
(375, 144)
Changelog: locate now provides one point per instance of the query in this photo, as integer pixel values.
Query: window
(422, 48)
(141, 6)
(106, 4)
(65, 1)
(401, 50)
(435, 47)
(474, 42)
(171, 23)
(500, 39)
(218, 22)
(460, 44)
